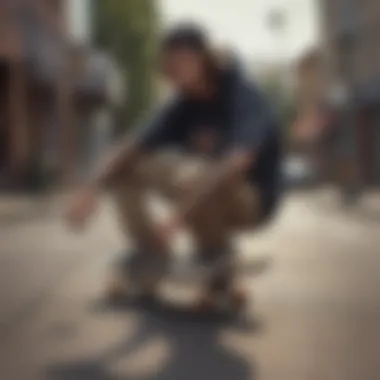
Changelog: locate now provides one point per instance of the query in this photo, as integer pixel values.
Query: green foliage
(283, 100)
(128, 29)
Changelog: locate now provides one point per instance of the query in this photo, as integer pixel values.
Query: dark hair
(186, 35)
(194, 37)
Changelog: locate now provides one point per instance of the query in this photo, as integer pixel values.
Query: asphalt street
(313, 314)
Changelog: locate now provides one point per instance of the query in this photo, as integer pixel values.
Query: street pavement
(313, 314)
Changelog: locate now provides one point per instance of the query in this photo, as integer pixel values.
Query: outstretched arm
(124, 154)
(120, 159)
(127, 151)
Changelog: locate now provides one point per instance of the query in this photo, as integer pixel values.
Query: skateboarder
(214, 150)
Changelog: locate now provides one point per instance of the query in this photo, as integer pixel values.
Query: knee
(190, 178)
(188, 188)
(185, 187)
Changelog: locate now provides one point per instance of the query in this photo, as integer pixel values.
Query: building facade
(50, 81)
(352, 70)
(309, 93)
(312, 132)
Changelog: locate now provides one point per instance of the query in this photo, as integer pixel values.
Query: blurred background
(77, 74)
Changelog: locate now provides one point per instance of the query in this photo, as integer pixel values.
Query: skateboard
(129, 278)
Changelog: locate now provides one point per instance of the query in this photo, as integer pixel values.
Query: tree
(128, 29)
(281, 97)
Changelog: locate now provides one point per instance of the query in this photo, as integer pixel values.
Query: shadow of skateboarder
(196, 350)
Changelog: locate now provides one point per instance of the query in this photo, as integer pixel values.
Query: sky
(243, 24)
(78, 19)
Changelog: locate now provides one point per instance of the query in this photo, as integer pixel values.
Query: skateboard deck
(168, 309)
(183, 271)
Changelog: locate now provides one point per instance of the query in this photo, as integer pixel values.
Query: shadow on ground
(196, 350)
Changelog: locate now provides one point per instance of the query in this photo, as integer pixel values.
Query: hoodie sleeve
(252, 117)
(159, 129)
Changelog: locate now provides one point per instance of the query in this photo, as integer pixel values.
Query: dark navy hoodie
(239, 116)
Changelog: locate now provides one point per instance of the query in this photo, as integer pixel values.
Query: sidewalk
(25, 208)
(367, 210)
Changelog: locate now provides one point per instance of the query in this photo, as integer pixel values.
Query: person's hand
(82, 207)
(169, 228)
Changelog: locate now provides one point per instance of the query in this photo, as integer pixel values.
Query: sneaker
(200, 267)
(141, 270)
(210, 264)
(233, 301)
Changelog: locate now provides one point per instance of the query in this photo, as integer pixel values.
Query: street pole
(277, 24)
(349, 179)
